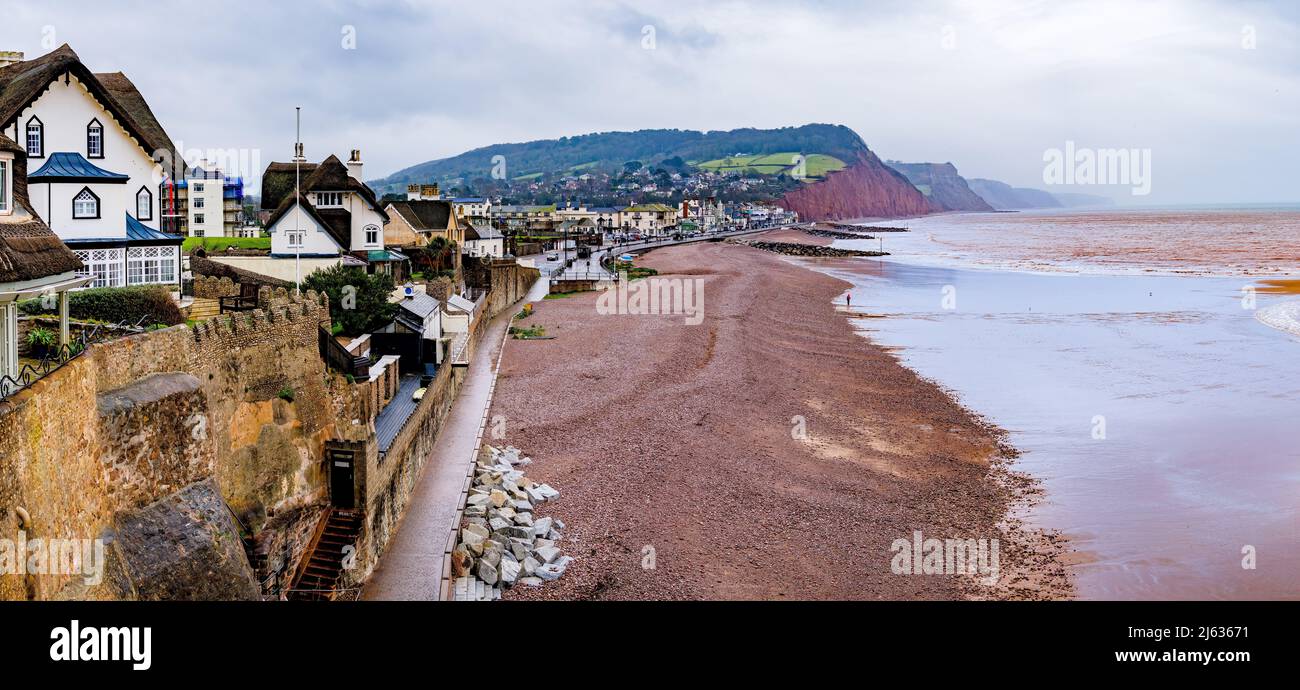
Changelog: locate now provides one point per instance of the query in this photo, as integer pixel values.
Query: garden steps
(204, 308)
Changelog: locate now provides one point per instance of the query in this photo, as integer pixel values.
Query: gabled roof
(73, 167)
(29, 250)
(277, 182)
(330, 175)
(336, 221)
(424, 215)
(23, 82)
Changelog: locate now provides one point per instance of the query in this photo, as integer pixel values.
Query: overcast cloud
(988, 86)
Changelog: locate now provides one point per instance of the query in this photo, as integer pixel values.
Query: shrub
(358, 302)
(286, 394)
(115, 305)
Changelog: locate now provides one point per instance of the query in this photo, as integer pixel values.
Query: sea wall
(243, 401)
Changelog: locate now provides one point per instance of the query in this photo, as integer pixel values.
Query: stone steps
(204, 308)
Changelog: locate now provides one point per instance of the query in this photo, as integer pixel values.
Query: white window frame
(371, 230)
(6, 186)
(197, 187)
(36, 127)
(151, 265)
(199, 219)
(76, 202)
(105, 265)
(329, 199)
(144, 194)
(95, 128)
(296, 239)
(199, 202)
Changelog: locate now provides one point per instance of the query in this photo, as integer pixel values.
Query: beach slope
(767, 452)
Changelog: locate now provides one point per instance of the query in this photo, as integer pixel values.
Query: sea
(1129, 357)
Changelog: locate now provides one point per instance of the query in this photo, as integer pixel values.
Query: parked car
(552, 257)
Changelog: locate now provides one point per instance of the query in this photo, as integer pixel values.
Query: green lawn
(817, 164)
(220, 244)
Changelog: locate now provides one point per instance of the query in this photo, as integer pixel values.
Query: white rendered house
(336, 217)
(93, 150)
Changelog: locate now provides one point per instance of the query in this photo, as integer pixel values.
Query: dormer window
(329, 199)
(144, 204)
(372, 234)
(85, 204)
(94, 140)
(35, 138)
(6, 204)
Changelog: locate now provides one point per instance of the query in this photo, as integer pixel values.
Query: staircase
(204, 308)
(320, 577)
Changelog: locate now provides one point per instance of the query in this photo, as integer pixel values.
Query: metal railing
(54, 359)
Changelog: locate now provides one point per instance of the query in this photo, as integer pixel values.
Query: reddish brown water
(1158, 412)
(1257, 242)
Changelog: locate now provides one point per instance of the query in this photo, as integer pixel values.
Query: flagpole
(297, 200)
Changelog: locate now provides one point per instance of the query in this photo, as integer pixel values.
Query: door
(341, 482)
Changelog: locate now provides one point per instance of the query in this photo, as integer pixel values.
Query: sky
(1208, 92)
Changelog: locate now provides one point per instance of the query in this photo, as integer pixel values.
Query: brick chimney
(354, 165)
(9, 57)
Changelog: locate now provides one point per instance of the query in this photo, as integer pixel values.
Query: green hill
(827, 147)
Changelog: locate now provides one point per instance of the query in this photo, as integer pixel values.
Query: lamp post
(297, 201)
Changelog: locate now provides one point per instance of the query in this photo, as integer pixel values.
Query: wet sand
(674, 446)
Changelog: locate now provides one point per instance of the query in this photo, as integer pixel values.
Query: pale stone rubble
(501, 543)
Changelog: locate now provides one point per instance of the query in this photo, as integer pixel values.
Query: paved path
(410, 567)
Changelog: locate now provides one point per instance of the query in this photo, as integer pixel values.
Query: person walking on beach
(848, 300)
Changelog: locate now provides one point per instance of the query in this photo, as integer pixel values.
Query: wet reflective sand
(1158, 412)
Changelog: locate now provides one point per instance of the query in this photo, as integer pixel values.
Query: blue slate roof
(73, 167)
(139, 232)
(391, 419)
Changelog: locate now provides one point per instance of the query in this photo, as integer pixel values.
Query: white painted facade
(64, 112)
(297, 232)
(58, 121)
(492, 247)
(282, 268)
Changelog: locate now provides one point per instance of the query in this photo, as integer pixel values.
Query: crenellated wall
(243, 399)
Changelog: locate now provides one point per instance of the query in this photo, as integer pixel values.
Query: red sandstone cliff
(866, 188)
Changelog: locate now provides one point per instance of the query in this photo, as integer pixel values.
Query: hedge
(114, 305)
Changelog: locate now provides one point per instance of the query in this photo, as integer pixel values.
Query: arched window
(372, 234)
(94, 140)
(85, 204)
(35, 138)
(144, 204)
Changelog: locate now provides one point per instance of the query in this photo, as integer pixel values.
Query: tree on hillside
(358, 301)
